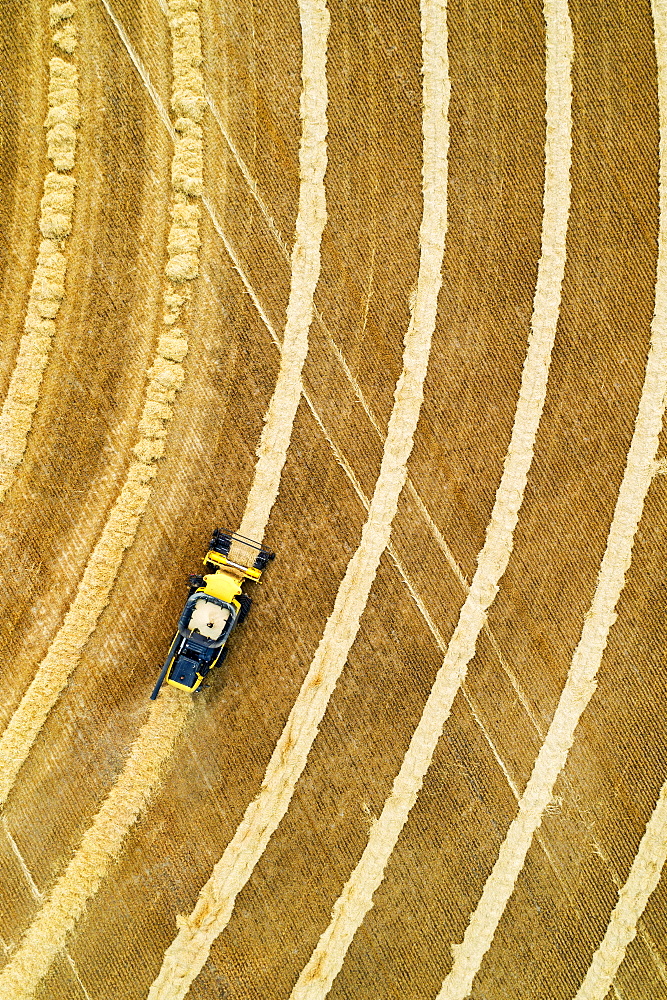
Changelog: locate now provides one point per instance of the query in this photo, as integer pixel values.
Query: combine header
(215, 606)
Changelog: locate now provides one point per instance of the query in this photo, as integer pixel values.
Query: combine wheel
(245, 603)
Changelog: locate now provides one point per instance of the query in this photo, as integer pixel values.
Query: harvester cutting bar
(247, 541)
(224, 543)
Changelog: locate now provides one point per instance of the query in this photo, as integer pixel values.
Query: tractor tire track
(633, 896)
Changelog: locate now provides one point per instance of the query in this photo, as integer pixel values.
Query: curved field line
(165, 378)
(633, 897)
(581, 681)
(47, 934)
(188, 952)
(140, 68)
(48, 283)
(652, 853)
(339, 357)
(311, 219)
(168, 716)
(356, 899)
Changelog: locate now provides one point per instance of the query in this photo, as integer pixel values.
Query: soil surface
(86, 423)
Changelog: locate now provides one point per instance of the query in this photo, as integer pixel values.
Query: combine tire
(245, 603)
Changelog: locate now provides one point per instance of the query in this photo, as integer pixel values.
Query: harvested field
(384, 285)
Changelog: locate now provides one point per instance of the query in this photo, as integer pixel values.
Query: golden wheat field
(382, 284)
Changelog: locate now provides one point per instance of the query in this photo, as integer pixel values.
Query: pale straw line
(187, 954)
(650, 858)
(582, 678)
(356, 898)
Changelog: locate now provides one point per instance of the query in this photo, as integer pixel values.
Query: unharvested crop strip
(582, 677)
(188, 952)
(55, 224)
(165, 378)
(356, 899)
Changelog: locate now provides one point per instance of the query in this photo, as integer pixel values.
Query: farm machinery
(215, 605)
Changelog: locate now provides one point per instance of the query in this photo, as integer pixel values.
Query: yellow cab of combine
(216, 604)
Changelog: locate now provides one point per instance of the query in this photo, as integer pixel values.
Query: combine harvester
(215, 606)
